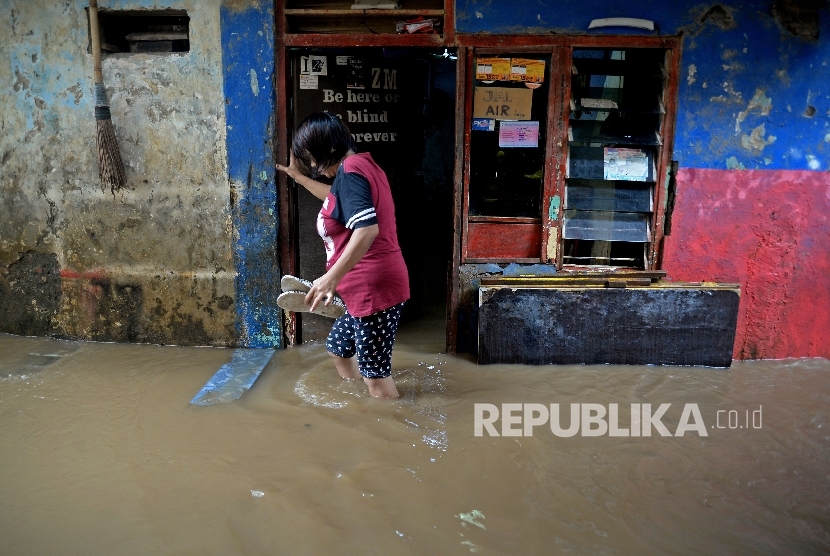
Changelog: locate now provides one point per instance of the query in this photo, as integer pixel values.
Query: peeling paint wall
(155, 262)
(768, 231)
(248, 50)
(732, 53)
(753, 145)
(756, 99)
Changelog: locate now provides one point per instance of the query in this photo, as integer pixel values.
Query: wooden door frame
(287, 193)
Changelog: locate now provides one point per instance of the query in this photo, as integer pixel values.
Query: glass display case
(614, 135)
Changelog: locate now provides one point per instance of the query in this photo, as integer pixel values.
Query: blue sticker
(484, 124)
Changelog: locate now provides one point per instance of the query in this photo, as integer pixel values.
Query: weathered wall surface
(753, 144)
(248, 58)
(777, 251)
(154, 262)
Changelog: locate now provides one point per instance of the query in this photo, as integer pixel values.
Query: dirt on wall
(167, 308)
(799, 17)
(30, 294)
(153, 263)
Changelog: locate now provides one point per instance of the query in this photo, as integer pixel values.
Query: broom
(110, 166)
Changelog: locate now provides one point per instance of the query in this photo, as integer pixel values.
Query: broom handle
(95, 39)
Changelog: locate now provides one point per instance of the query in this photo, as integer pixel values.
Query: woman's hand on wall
(293, 171)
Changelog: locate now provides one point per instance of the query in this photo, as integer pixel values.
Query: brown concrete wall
(152, 263)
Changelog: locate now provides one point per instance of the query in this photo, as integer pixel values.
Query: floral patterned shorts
(371, 338)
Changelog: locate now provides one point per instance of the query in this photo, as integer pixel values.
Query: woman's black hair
(322, 138)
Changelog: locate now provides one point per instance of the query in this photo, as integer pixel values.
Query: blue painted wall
(247, 30)
(752, 95)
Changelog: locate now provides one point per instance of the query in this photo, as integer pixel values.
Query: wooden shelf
(579, 132)
(336, 17)
(505, 219)
(323, 39)
(637, 68)
(401, 14)
(349, 24)
(655, 107)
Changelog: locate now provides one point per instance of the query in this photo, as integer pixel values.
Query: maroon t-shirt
(360, 196)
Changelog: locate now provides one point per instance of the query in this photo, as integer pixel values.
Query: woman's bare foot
(383, 388)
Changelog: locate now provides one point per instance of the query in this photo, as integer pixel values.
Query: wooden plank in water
(232, 379)
(640, 326)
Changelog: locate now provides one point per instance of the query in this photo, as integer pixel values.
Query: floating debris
(474, 548)
(472, 518)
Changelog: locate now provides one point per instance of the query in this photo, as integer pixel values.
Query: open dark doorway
(399, 103)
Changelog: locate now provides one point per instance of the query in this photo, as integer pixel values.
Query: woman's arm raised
(319, 190)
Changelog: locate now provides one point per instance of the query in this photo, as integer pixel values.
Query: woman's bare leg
(382, 387)
(378, 387)
(347, 368)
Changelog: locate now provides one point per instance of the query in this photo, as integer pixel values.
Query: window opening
(142, 31)
(613, 145)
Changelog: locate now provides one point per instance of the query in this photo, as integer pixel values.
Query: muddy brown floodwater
(100, 453)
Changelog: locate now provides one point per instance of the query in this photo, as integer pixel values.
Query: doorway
(399, 104)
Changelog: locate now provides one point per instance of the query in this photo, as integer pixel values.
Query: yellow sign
(502, 103)
(493, 69)
(527, 70)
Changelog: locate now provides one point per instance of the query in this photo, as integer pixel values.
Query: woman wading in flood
(364, 263)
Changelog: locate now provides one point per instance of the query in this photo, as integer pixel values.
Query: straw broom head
(110, 166)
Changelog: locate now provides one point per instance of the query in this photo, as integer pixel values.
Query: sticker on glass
(625, 164)
(357, 74)
(484, 124)
(527, 70)
(493, 69)
(518, 134)
(313, 65)
(310, 82)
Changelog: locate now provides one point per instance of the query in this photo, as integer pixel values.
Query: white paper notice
(625, 164)
(309, 82)
(598, 103)
(313, 65)
(518, 134)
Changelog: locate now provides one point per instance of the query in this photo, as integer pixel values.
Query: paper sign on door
(502, 103)
(518, 134)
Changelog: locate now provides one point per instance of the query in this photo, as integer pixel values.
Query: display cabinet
(578, 178)
(614, 135)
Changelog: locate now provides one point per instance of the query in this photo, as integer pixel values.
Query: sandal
(294, 301)
(293, 284)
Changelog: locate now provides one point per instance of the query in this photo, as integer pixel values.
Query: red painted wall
(769, 231)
